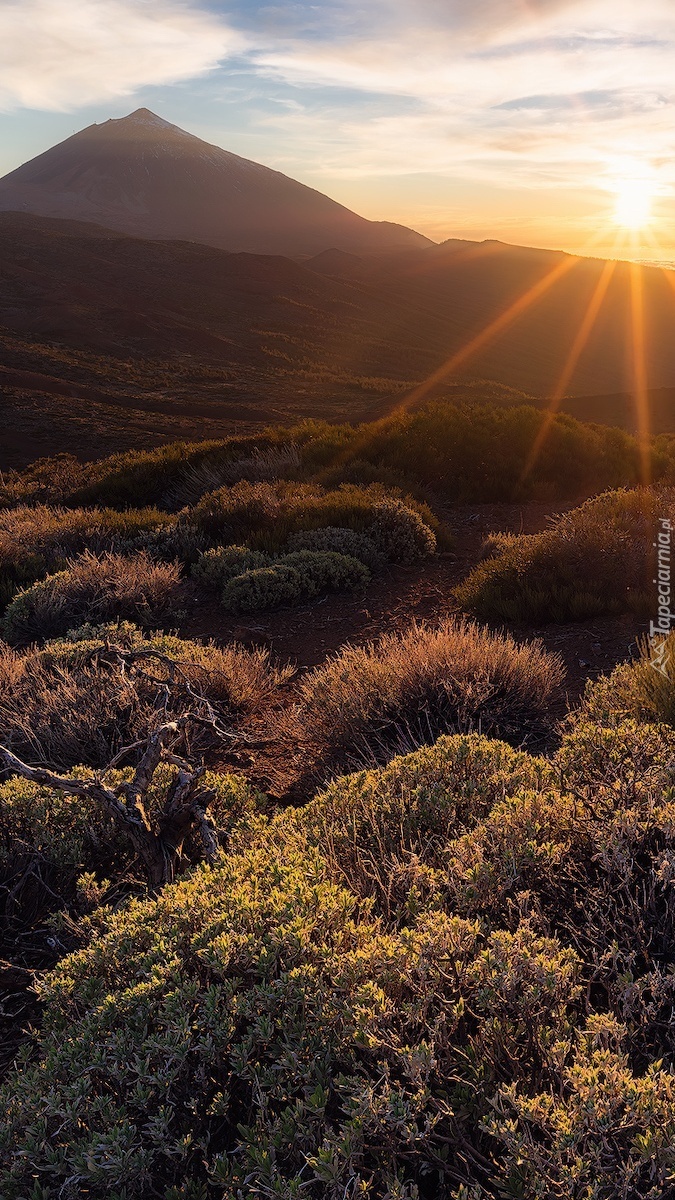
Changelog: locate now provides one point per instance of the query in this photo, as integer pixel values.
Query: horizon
(547, 124)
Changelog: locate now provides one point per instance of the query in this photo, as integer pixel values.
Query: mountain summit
(145, 177)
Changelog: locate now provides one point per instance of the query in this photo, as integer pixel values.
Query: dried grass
(370, 703)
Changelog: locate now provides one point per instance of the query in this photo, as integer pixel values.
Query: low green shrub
(69, 702)
(322, 570)
(94, 588)
(593, 561)
(265, 587)
(369, 703)
(292, 579)
(385, 832)
(399, 533)
(340, 541)
(214, 568)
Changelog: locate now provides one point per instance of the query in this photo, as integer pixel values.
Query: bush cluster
(449, 977)
(595, 560)
(69, 702)
(266, 515)
(94, 588)
(38, 540)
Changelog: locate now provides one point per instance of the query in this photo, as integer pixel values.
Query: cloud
(65, 54)
(516, 93)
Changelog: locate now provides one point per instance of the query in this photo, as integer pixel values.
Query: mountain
(147, 178)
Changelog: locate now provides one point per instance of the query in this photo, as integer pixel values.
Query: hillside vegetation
(396, 923)
(457, 451)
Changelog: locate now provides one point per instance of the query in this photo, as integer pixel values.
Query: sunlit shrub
(94, 588)
(62, 705)
(595, 560)
(39, 540)
(369, 703)
(643, 689)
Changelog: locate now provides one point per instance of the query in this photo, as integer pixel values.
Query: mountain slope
(145, 177)
(126, 334)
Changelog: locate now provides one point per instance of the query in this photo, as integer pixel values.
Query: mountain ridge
(143, 176)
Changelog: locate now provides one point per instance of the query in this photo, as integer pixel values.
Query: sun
(634, 201)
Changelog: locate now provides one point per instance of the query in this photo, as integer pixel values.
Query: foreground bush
(595, 560)
(75, 701)
(280, 1024)
(57, 850)
(94, 589)
(368, 703)
(643, 690)
(39, 540)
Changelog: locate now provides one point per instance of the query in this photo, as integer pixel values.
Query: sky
(538, 122)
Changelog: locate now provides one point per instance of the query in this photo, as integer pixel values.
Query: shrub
(274, 462)
(70, 703)
(94, 588)
(214, 568)
(339, 541)
(292, 579)
(50, 840)
(38, 540)
(322, 570)
(399, 533)
(385, 832)
(368, 703)
(265, 515)
(592, 561)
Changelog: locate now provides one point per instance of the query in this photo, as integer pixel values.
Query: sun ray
(490, 331)
(577, 348)
(639, 368)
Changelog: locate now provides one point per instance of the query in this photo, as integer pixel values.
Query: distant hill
(139, 339)
(148, 178)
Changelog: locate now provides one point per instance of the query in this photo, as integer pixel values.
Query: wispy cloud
(65, 54)
(524, 86)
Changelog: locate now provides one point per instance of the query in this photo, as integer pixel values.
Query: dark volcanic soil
(424, 592)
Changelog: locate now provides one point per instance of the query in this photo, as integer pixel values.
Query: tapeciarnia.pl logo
(659, 630)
